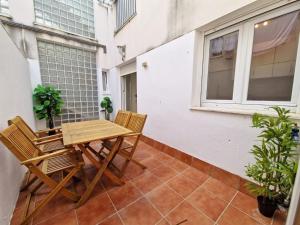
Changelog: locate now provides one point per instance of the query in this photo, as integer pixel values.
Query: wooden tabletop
(88, 131)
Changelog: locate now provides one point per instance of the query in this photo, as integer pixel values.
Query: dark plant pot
(51, 132)
(266, 206)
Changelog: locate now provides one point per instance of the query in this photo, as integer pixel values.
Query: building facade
(198, 68)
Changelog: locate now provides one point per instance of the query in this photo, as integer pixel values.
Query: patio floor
(167, 192)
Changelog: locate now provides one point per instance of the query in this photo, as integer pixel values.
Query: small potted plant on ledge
(106, 105)
(48, 103)
(275, 164)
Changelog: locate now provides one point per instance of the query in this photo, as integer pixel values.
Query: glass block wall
(73, 72)
(4, 7)
(74, 16)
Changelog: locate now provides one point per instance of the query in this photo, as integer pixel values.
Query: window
(254, 63)
(73, 72)
(104, 81)
(4, 7)
(221, 66)
(273, 58)
(74, 16)
(125, 10)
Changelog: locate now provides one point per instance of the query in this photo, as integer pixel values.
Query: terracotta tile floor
(168, 192)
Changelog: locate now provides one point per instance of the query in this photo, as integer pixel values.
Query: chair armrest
(48, 137)
(131, 134)
(46, 156)
(49, 141)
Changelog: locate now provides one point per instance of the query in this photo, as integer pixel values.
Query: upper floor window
(104, 81)
(254, 63)
(4, 7)
(125, 10)
(73, 16)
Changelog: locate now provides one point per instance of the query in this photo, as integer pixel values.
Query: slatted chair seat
(61, 162)
(110, 143)
(52, 146)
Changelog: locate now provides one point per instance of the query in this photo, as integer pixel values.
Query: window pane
(78, 88)
(125, 10)
(71, 16)
(104, 80)
(273, 58)
(221, 66)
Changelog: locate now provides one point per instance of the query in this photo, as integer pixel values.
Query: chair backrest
(122, 118)
(137, 122)
(18, 143)
(23, 126)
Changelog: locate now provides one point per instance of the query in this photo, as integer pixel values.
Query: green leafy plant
(48, 103)
(106, 104)
(275, 167)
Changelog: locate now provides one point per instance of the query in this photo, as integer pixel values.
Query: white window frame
(206, 65)
(243, 64)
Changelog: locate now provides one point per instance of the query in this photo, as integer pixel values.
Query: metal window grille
(126, 9)
(73, 72)
(4, 7)
(74, 16)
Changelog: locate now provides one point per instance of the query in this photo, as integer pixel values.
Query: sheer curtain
(274, 33)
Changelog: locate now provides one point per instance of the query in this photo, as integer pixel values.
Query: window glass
(125, 9)
(69, 15)
(4, 7)
(104, 80)
(221, 66)
(73, 72)
(273, 60)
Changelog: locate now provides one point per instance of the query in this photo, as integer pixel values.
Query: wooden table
(82, 133)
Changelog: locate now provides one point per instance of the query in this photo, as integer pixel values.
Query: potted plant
(106, 104)
(48, 103)
(275, 166)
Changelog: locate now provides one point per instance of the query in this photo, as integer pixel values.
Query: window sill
(295, 116)
(58, 30)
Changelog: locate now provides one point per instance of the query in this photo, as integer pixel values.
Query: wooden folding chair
(128, 147)
(122, 118)
(46, 143)
(43, 166)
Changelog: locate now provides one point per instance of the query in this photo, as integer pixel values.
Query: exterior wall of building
(26, 40)
(15, 99)
(164, 90)
(158, 22)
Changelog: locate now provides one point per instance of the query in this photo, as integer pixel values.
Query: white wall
(15, 99)
(158, 22)
(164, 90)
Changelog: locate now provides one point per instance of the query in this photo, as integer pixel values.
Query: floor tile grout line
(248, 215)
(184, 199)
(146, 197)
(76, 216)
(116, 211)
(223, 212)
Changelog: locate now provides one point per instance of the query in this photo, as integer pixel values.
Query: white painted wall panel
(15, 99)
(164, 90)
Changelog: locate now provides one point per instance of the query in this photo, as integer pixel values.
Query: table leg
(101, 170)
(110, 175)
